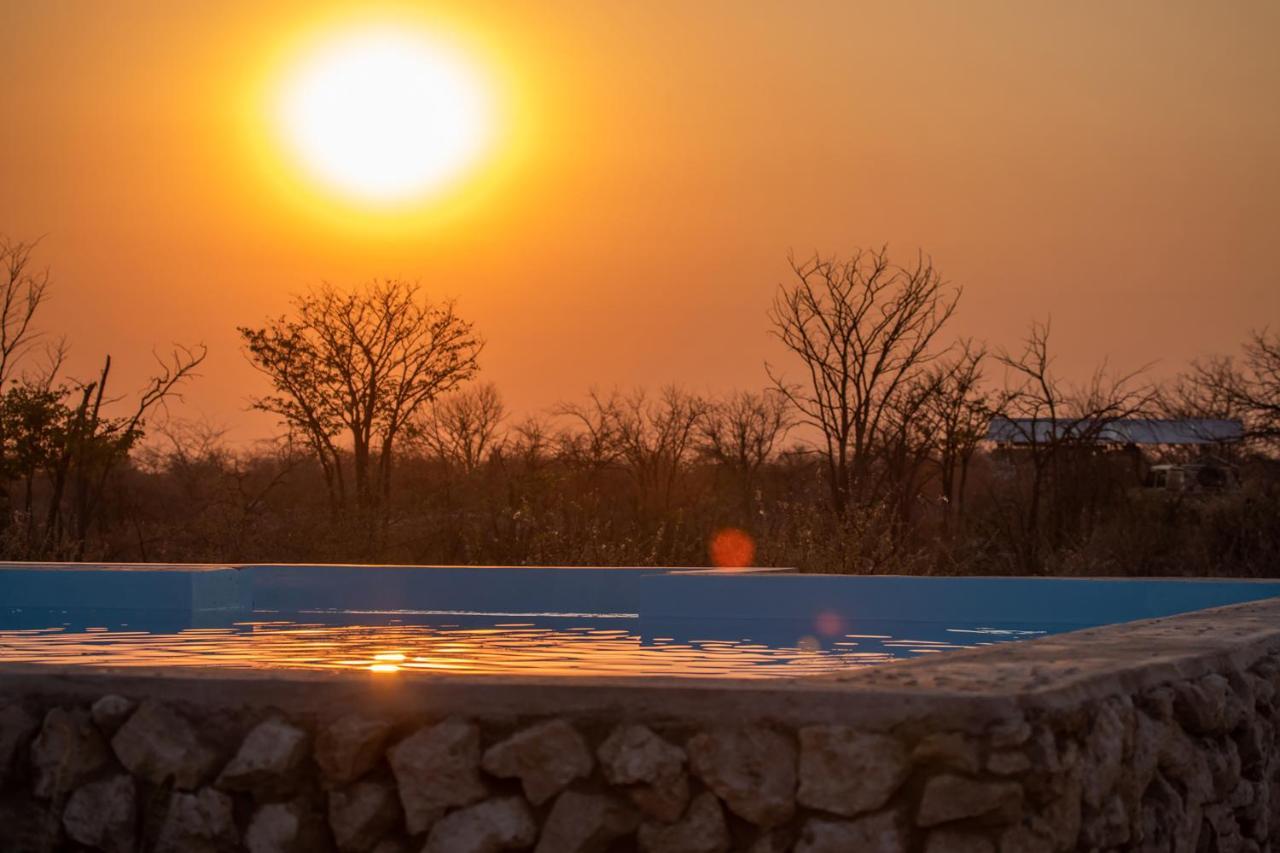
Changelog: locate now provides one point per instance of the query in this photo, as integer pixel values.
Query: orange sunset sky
(1113, 165)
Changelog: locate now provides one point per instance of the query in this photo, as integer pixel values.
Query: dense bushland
(865, 453)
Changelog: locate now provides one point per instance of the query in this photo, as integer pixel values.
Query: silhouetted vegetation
(867, 452)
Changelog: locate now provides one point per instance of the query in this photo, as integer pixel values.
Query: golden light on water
(422, 649)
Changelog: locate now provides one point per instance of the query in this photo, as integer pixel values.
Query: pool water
(512, 644)
(547, 620)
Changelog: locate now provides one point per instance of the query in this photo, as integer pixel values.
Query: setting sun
(383, 114)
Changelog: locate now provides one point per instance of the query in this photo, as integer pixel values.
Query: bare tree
(94, 443)
(527, 446)
(742, 431)
(906, 446)
(1247, 388)
(224, 490)
(863, 328)
(362, 363)
(652, 439)
(656, 437)
(1052, 424)
(956, 417)
(591, 441)
(464, 427)
(23, 289)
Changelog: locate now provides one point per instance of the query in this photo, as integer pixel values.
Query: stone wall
(1174, 749)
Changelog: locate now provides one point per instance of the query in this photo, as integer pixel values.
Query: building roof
(1122, 431)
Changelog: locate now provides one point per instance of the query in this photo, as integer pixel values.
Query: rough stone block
(847, 772)
(103, 814)
(362, 814)
(664, 800)
(1201, 705)
(545, 758)
(110, 712)
(701, 830)
(949, 797)
(752, 769)
(503, 823)
(66, 753)
(201, 822)
(286, 828)
(634, 754)
(882, 832)
(268, 761)
(437, 768)
(585, 823)
(160, 746)
(350, 746)
(1105, 749)
(950, 750)
(651, 767)
(1009, 732)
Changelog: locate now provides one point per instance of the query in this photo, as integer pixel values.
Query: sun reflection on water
(507, 648)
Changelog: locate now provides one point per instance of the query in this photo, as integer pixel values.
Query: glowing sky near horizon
(1111, 166)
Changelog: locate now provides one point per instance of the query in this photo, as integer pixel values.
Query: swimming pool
(547, 621)
(417, 707)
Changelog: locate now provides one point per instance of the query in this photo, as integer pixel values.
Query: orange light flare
(384, 667)
(731, 548)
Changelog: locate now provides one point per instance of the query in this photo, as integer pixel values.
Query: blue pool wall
(488, 589)
(161, 588)
(657, 596)
(1076, 602)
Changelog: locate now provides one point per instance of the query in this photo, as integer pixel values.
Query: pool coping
(966, 688)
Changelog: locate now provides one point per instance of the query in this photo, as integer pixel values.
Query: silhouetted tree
(742, 431)
(651, 439)
(362, 363)
(23, 289)
(1055, 426)
(1247, 388)
(592, 440)
(95, 444)
(956, 418)
(864, 329)
(33, 423)
(464, 427)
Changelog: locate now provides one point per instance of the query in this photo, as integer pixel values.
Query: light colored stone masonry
(1159, 735)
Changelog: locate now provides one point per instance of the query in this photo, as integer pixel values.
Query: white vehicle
(1195, 477)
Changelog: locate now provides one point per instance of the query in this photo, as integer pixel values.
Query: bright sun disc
(384, 115)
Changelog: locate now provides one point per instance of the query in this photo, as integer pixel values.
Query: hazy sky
(1113, 165)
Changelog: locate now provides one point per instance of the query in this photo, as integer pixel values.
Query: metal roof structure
(1147, 431)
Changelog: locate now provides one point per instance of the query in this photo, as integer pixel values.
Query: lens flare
(829, 623)
(731, 548)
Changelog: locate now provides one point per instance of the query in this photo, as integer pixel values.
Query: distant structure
(1124, 432)
(1207, 474)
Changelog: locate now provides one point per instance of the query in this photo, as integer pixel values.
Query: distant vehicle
(1191, 478)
